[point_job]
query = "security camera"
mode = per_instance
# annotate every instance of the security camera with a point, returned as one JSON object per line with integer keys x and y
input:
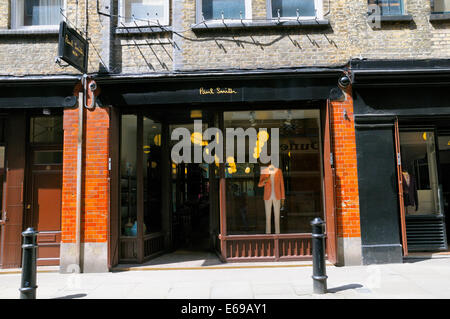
{"x": 344, "y": 81}
{"x": 92, "y": 86}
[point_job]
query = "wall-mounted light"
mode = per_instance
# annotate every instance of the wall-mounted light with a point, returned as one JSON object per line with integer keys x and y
{"x": 46, "y": 111}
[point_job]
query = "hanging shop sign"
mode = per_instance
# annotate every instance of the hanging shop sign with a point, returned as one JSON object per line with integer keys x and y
{"x": 72, "y": 47}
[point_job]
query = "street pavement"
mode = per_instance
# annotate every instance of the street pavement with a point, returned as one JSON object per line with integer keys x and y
{"x": 201, "y": 278}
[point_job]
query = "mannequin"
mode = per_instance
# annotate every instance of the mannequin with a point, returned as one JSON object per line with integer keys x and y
{"x": 272, "y": 181}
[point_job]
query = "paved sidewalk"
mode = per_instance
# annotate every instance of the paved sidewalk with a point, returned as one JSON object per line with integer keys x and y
{"x": 416, "y": 278}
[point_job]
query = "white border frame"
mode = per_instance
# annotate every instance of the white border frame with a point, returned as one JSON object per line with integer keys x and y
{"x": 153, "y": 22}
{"x": 248, "y": 12}
{"x": 15, "y": 17}
{"x": 318, "y": 5}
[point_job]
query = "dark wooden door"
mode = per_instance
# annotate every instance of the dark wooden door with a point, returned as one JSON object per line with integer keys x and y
{"x": 329, "y": 186}
{"x": 12, "y": 210}
{"x": 43, "y": 206}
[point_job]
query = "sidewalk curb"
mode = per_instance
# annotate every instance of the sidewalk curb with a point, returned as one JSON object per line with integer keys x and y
{"x": 120, "y": 269}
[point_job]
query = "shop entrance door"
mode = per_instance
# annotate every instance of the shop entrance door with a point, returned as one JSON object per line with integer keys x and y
{"x": 43, "y": 205}
{"x": 444, "y": 163}
{"x": 421, "y": 189}
{"x": 190, "y": 183}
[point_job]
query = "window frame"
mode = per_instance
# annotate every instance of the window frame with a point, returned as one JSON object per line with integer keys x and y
{"x": 16, "y": 16}
{"x": 433, "y": 10}
{"x": 121, "y": 21}
{"x": 318, "y": 5}
{"x": 248, "y": 12}
{"x": 402, "y": 9}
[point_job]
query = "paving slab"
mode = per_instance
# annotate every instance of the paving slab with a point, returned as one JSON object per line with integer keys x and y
{"x": 421, "y": 279}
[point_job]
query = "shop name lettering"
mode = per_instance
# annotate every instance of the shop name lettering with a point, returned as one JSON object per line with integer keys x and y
{"x": 215, "y": 91}
{"x": 76, "y": 49}
{"x": 299, "y": 147}
{"x": 229, "y": 309}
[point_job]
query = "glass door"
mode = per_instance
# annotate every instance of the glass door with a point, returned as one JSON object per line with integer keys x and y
{"x": 190, "y": 184}
{"x": 141, "y": 235}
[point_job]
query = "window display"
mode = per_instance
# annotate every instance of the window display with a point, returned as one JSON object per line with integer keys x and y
{"x": 266, "y": 198}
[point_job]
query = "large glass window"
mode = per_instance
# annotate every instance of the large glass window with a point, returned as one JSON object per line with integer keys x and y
{"x": 419, "y": 173}
{"x": 143, "y": 12}
{"x": 226, "y": 9}
{"x": 128, "y": 201}
{"x": 152, "y": 167}
{"x": 440, "y": 6}
{"x": 265, "y": 199}
{"x": 28, "y": 13}
{"x": 294, "y": 8}
{"x": 388, "y": 7}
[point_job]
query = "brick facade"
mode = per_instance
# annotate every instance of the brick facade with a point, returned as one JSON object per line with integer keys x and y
{"x": 347, "y": 200}
{"x": 349, "y": 36}
{"x": 346, "y": 180}
{"x": 95, "y": 179}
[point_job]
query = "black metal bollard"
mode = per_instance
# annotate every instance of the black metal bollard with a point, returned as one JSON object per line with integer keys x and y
{"x": 318, "y": 253}
{"x": 28, "y": 283}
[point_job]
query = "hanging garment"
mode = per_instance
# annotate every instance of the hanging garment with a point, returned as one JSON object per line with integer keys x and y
{"x": 410, "y": 196}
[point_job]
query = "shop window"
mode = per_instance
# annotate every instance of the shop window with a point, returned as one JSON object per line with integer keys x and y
{"x": 294, "y": 8}
{"x": 144, "y": 12}
{"x": 388, "y": 7}
{"x": 253, "y": 209}
{"x": 46, "y": 129}
{"x": 128, "y": 201}
{"x": 36, "y": 13}
{"x": 419, "y": 173}
{"x": 440, "y": 6}
{"x": 223, "y": 9}
{"x": 152, "y": 168}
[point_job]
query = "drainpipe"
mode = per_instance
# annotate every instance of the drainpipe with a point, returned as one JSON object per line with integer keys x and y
{"x": 81, "y": 103}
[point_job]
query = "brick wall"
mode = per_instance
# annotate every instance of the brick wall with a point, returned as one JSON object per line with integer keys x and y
{"x": 95, "y": 198}
{"x": 349, "y": 36}
{"x": 344, "y": 149}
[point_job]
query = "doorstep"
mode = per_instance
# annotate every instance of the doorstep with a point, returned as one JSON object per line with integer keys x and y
{"x": 428, "y": 255}
{"x": 185, "y": 260}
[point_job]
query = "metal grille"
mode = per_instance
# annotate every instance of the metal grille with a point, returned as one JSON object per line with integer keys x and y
{"x": 426, "y": 233}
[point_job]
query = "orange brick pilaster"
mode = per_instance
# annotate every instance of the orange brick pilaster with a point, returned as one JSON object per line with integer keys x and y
{"x": 347, "y": 197}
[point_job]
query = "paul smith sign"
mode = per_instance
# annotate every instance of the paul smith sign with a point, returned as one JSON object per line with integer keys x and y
{"x": 72, "y": 47}
{"x": 217, "y": 91}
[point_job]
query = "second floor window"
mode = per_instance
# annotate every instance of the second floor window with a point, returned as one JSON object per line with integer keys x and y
{"x": 144, "y": 12}
{"x": 440, "y": 6}
{"x": 224, "y": 9}
{"x": 388, "y": 7}
{"x": 294, "y": 8}
{"x": 32, "y": 13}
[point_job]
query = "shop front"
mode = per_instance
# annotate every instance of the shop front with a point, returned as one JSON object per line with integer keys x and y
{"x": 31, "y": 158}
{"x": 402, "y": 132}
{"x": 223, "y": 199}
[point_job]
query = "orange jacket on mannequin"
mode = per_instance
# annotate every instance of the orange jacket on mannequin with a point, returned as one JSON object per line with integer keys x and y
{"x": 279, "y": 185}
